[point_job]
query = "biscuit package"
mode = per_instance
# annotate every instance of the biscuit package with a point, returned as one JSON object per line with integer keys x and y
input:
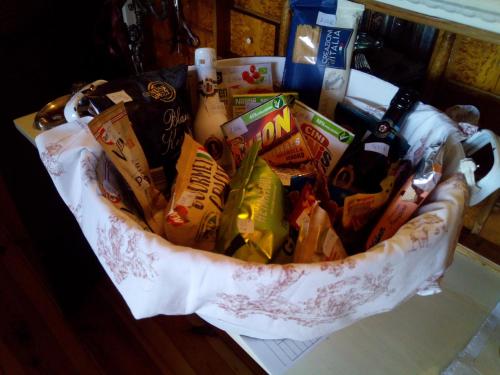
{"x": 320, "y": 46}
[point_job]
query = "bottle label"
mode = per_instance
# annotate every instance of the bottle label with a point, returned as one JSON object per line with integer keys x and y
{"x": 214, "y": 147}
{"x": 207, "y": 86}
{"x": 215, "y": 105}
{"x": 378, "y": 147}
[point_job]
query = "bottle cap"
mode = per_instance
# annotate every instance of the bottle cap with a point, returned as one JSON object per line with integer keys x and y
{"x": 205, "y": 56}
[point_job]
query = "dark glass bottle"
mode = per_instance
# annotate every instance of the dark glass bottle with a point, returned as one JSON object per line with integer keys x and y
{"x": 364, "y": 167}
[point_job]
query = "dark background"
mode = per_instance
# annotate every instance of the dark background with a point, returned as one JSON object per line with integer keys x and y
{"x": 45, "y": 48}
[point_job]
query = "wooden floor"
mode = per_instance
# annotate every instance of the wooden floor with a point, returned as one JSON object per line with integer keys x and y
{"x": 95, "y": 334}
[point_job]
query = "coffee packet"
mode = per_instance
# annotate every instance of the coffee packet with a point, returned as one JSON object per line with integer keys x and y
{"x": 157, "y": 105}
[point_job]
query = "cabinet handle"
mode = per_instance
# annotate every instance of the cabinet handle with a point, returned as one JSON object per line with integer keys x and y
{"x": 248, "y": 40}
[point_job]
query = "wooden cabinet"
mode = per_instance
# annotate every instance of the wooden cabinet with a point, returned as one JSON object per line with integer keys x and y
{"x": 251, "y": 36}
{"x": 251, "y": 28}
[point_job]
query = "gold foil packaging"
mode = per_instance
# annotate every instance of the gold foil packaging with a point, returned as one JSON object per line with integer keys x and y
{"x": 252, "y": 224}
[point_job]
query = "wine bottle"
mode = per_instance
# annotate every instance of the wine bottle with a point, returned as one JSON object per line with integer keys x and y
{"x": 366, "y": 166}
{"x": 211, "y": 112}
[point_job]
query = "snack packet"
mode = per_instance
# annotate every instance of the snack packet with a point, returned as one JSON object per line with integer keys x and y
{"x": 410, "y": 196}
{"x": 320, "y": 45}
{"x": 192, "y": 217}
{"x": 317, "y": 240}
{"x": 252, "y": 223}
{"x": 113, "y": 130}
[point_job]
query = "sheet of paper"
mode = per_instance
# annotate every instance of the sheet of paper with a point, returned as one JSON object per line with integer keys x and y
{"x": 277, "y": 356}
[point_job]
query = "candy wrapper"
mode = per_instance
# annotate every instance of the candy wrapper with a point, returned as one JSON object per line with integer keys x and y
{"x": 193, "y": 214}
{"x": 252, "y": 223}
{"x": 410, "y": 196}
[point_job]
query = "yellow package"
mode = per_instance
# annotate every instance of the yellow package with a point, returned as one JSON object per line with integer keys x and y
{"x": 193, "y": 215}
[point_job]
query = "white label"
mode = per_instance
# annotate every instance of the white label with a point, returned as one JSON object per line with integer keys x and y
{"x": 325, "y": 19}
{"x": 285, "y": 178}
{"x": 187, "y": 198}
{"x": 329, "y": 242}
{"x": 216, "y": 106}
{"x": 379, "y": 147}
{"x": 245, "y": 225}
{"x": 235, "y": 129}
{"x": 119, "y": 96}
{"x": 303, "y": 217}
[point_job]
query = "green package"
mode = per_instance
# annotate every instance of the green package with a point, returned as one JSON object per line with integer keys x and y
{"x": 252, "y": 224}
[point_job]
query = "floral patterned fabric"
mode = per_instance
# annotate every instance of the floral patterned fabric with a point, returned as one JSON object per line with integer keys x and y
{"x": 298, "y": 301}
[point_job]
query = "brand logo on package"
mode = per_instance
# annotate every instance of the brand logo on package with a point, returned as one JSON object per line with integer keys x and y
{"x": 278, "y": 102}
{"x": 161, "y": 91}
{"x": 333, "y": 46}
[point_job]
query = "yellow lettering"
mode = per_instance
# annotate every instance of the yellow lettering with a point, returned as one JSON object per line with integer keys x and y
{"x": 283, "y": 123}
{"x": 268, "y": 134}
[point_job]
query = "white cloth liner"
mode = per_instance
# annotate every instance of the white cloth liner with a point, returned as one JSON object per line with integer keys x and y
{"x": 297, "y": 301}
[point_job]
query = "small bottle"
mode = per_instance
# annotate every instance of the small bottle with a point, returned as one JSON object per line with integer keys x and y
{"x": 211, "y": 112}
{"x": 367, "y": 165}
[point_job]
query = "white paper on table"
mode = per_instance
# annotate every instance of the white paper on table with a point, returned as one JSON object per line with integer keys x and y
{"x": 276, "y": 356}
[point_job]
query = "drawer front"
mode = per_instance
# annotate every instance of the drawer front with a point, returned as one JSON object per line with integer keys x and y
{"x": 251, "y": 36}
{"x": 267, "y": 8}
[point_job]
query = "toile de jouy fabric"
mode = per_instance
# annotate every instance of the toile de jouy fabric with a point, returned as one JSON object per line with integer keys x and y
{"x": 298, "y": 301}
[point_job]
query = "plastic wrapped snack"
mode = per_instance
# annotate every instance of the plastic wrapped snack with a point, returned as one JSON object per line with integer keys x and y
{"x": 320, "y": 45}
{"x": 193, "y": 214}
{"x": 252, "y": 224}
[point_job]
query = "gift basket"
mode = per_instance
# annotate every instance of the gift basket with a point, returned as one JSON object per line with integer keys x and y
{"x": 136, "y": 233}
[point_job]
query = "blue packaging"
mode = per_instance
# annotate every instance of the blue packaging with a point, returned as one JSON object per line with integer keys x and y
{"x": 320, "y": 44}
